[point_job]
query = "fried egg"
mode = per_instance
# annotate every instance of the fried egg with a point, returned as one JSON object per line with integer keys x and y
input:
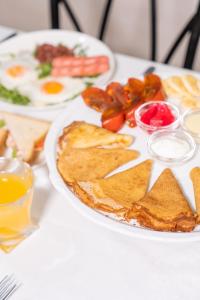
{"x": 52, "y": 90}
{"x": 18, "y": 71}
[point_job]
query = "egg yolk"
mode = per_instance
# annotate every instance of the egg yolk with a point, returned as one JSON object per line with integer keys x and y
{"x": 52, "y": 87}
{"x": 16, "y": 71}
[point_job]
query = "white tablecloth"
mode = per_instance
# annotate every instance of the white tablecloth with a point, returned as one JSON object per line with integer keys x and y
{"x": 69, "y": 257}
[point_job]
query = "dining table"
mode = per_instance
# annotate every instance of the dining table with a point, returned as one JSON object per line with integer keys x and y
{"x": 69, "y": 257}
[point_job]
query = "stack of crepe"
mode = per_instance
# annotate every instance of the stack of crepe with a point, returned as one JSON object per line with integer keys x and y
{"x": 83, "y": 162}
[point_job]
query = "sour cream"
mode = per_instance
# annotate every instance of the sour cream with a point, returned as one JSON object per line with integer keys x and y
{"x": 170, "y": 147}
{"x": 191, "y": 123}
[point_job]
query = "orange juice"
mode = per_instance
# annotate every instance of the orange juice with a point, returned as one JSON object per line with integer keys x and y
{"x": 15, "y": 204}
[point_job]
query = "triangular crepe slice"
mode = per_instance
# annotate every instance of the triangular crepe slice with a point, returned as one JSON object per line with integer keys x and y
{"x": 195, "y": 176}
{"x": 26, "y": 132}
{"x": 165, "y": 208}
{"x": 91, "y": 163}
{"x": 84, "y": 135}
{"x": 3, "y": 137}
{"x": 118, "y": 192}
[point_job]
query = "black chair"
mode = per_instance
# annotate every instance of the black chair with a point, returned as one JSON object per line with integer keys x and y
{"x": 193, "y": 28}
{"x": 54, "y": 8}
{"x": 55, "y": 20}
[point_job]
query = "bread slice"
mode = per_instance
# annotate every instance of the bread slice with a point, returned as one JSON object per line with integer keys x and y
{"x": 118, "y": 192}
{"x": 3, "y": 137}
{"x": 91, "y": 163}
{"x": 195, "y": 177}
{"x": 26, "y": 132}
{"x": 84, "y": 135}
{"x": 165, "y": 208}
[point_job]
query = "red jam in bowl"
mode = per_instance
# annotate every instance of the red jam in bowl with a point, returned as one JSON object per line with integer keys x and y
{"x": 156, "y": 115}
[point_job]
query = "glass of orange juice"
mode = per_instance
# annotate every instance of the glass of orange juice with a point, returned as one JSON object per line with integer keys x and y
{"x": 16, "y": 193}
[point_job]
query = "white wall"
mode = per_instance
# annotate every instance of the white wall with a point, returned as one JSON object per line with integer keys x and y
{"x": 128, "y": 29}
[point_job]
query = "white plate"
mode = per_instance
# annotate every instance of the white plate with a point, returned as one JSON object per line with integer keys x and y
{"x": 28, "y": 41}
{"x": 79, "y": 111}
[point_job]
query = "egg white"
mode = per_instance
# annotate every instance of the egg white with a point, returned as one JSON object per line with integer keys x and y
{"x": 26, "y": 61}
{"x": 72, "y": 87}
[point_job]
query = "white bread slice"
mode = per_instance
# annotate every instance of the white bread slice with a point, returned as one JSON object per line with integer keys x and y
{"x": 26, "y": 132}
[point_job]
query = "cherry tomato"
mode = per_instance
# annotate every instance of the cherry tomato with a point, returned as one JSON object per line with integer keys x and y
{"x": 97, "y": 99}
{"x": 113, "y": 119}
{"x": 118, "y": 93}
{"x": 130, "y": 113}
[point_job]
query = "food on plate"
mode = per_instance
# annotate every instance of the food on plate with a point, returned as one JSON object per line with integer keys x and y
{"x": 158, "y": 115}
{"x": 17, "y": 71}
{"x": 45, "y": 53}
{"x": 119, "y": 102}
{"x": 51, "y": 90}
{"x": 80, "y": 134}
{"x": 3, "y": 137}
{"x": 97, "y": 99}
{"x": 117, "y": 193}
{"x": 191, "y": 123}
{"x": 186, "y": 88}
{"x": 79, "y": 66}
{"x": 195, "y": 177}
{"x": 48, "y": 75}
{"x": 165, "y": 207}
{"x": 113, "y": 119}
{"x": 91, "y": 163}
{"x": 26, "y": 135}
{"x": 13, "y": 96}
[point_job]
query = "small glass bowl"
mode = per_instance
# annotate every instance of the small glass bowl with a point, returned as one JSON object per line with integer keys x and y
{"x": 186, "y": 115}
{"x": 171, "y": 156}
{"x": 149, "y": 128}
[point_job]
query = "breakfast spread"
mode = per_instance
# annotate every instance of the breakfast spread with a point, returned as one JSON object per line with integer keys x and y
{"x": 23, "y": 135}
{"x": 49, "y": 74}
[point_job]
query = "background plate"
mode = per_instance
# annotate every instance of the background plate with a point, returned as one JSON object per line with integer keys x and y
{"x": 28, "y": 41}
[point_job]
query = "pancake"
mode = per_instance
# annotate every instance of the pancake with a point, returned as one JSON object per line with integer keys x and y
{"x": 118, "y": 192}
{"x": 84, "y": 135}
{"x": 195, "y": 177}
{"x": 165, "y": 208}
{"x": 91, "y": 163}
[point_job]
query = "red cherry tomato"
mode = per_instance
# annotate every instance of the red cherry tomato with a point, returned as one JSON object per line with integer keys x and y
{"x": 130, "y": 113}
{"x": 113, "y": 119}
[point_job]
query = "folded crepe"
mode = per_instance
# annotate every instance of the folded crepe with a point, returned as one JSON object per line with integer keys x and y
{"x": 117, "y": 193}
{"x": 84, "y": 135}
{"x": 3, "y": 137}
{"x": 91, "y": 163}
{"x": 195, "y": 177}
{"x": 165, "y": 208}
